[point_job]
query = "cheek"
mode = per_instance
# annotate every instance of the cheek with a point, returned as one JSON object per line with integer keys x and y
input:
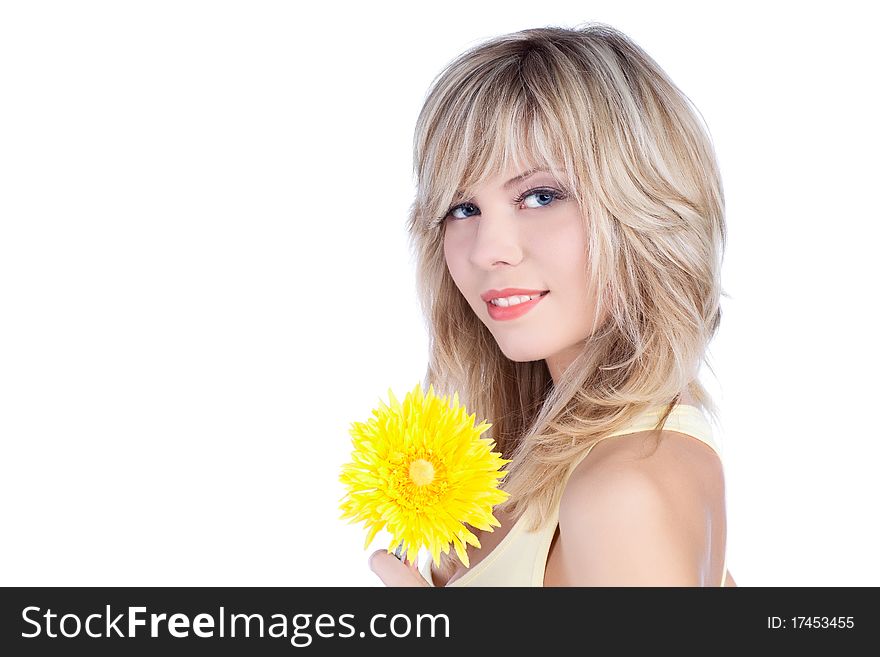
{"x": 452, "y": 264}
{"x": 458, "y": 266}
{"x": 452, "y": 254}
{"x": 573, "y": 242}
{"x": 561, "y": 254}
{"x": 569, "y": 260}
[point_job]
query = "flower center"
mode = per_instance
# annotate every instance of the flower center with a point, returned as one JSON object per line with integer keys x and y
{"x": 421, "y": 472}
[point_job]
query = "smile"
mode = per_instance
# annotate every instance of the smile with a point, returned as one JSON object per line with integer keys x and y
{"x": 517, "y": 309}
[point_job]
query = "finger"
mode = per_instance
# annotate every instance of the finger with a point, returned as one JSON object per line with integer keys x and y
{"x": 393, "y": 572}
{"x": 414, "y": 568}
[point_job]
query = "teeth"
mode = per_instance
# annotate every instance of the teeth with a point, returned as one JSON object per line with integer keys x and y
{"x": 504, "y": 302}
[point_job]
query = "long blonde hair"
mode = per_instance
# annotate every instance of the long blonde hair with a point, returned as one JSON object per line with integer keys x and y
{"x": 592, "y": 104}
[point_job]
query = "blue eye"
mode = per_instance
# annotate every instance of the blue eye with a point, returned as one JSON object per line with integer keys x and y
{"x": 550, "y": 196}
{"x": 461, "y": 207}
{"x": 543, "y": 196}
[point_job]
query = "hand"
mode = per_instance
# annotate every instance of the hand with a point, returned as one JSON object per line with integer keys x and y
{"x": 394, "y": 572}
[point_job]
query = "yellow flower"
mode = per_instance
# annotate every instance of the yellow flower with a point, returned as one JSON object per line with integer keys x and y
{"x": 420, "y": 470}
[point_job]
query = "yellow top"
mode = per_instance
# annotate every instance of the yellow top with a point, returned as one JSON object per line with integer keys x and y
{"x": 521, "y": 556}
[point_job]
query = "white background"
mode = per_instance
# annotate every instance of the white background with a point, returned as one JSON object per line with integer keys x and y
{"x": 204, "y": 276}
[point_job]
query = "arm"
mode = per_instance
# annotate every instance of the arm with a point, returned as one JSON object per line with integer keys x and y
{"x": 624, "y": 522}
{"x": 729, "y": 581}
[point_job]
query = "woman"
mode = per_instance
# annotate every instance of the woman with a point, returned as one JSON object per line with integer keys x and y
{"x": 561, "y": 171}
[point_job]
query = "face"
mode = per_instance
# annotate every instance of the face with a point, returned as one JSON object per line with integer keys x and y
{"x": 524, "y": 233}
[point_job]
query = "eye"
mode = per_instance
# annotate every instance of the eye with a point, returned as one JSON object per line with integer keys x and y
{"x": 547, "y": 195}
{"x": 542, "y": 198}
{"x": 462, "y": 206}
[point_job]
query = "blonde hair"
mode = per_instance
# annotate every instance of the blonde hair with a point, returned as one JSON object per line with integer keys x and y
{"x": 593, "y": 105}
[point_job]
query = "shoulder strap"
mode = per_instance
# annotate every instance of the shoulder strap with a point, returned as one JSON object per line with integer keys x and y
{"x": 683, "y": 419}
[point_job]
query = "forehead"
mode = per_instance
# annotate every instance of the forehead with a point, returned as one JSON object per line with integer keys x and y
{"x": 470, "y": 156}
{"x": 506, "y": 180}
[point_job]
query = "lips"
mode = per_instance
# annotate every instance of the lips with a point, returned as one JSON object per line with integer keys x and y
{"x": 501, "y": 313}
{"x": 488, "y": 295}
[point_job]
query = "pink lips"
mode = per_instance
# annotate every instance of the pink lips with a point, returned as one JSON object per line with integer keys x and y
{"x": 512, "y": 312}
{"x": 488, "y": 295}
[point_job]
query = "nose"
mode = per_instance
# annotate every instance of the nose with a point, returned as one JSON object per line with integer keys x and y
{"x": 496, "y": 240}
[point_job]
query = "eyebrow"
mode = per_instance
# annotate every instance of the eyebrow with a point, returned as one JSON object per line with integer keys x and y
{"x": 523, "y": 176}
{"x": 510, "y": 183}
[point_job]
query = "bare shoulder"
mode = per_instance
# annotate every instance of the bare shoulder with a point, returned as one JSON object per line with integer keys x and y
{"x": 633, "y": 515}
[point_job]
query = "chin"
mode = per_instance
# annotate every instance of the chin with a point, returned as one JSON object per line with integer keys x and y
{"x": 520, "y": 354}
